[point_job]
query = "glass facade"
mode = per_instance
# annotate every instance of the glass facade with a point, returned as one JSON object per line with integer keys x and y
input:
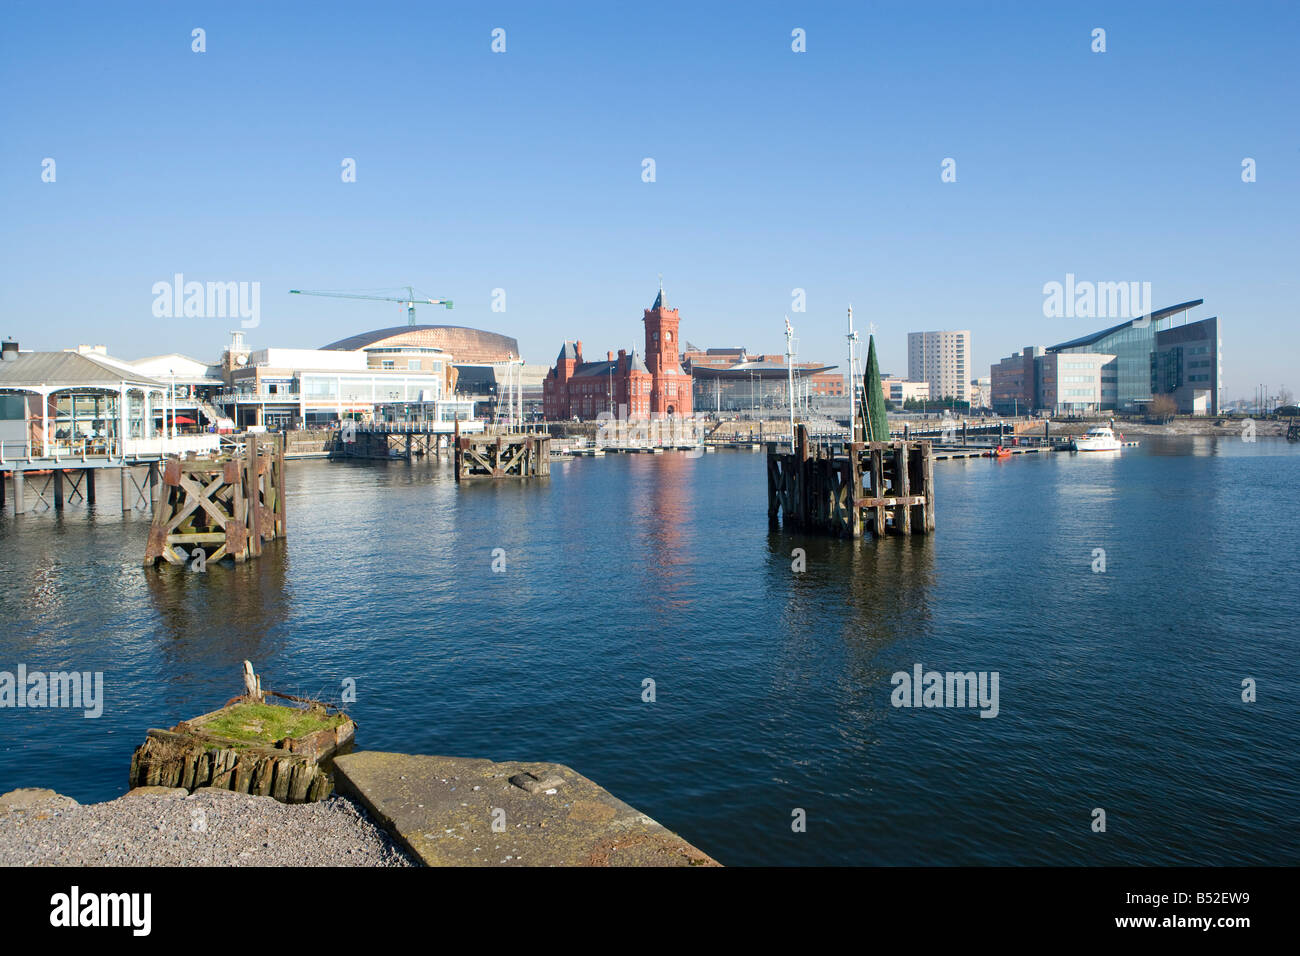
{"x": 1132, "y": 347}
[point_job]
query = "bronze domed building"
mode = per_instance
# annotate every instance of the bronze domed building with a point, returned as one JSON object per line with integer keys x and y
{"x": 466, "y": 346}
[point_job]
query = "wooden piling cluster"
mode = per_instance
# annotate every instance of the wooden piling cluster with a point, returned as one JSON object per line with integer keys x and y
{"x": 227, "y": 504}
{"x": 876, "y": 487}
{"x": 502, "y": 456}
{"x": 292, "y": 770}
{"x": 177, "y": 759}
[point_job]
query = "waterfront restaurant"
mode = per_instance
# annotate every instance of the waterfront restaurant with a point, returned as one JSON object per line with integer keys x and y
{"x": 68, "y": 404}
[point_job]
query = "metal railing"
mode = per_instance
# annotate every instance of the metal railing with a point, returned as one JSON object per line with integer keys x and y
{"x": 231, "y": 398}
{"x": 466, "y": 425}
{"x": 113, "y": 449}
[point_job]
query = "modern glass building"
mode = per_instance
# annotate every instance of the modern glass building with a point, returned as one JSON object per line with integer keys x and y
{"x": 1132, "y": 343}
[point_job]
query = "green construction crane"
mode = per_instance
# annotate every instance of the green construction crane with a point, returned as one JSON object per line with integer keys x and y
{"x": 411, "y": 299}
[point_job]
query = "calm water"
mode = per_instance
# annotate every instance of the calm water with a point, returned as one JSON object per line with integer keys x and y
{"x": 1119, "y": 690}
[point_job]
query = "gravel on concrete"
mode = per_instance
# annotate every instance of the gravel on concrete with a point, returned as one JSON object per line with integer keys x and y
{"x": 157, "y": 826}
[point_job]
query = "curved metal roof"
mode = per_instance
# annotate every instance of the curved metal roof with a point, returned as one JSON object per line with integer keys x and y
{"x": 1092, "y": 337}
{"x": 758, "y": 369}
{"x": 464, "y": 344}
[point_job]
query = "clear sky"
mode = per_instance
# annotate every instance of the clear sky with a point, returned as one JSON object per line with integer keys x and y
{"x": 774, "y": 170}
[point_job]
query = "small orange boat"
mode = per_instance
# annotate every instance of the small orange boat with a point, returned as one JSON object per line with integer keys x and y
{"x": 1000, "y": 452}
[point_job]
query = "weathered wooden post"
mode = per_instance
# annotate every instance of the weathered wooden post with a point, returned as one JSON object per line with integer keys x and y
{"x": 928, "y": 459}
{"x": 773, "y": 474}
{"x": 855, "y": 489}
{"x": 251, "y": 489}
{"x": 878, "y": 487}
{"x": 20, "y": 504}
{"x": 237, "y": 526}
{"x": 801, "y": 469}
{"x": 58, "y": 489}
{"x": 281, "y": 510}
{"x": 252, "y": 683}
{"x": 902, "y": 510}
{"x": 88, "y": 475}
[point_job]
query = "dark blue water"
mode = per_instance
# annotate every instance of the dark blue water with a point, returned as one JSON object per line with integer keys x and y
{"x": 1118, "y": 690}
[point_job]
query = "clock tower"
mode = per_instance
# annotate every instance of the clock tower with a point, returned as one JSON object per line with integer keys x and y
{"x": 671, "y": 391}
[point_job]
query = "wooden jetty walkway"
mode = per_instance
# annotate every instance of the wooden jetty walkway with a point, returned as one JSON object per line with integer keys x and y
{"x": 65, "y": 477}
{"x": 401, "y": 440}
{"x": 228, "y": 505}
{"x": 875, "y": 487}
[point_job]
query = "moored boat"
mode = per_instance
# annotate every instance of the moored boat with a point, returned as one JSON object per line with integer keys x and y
{"x": 1100, "y": 438}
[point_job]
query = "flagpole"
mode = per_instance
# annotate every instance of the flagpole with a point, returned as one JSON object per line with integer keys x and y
{"x": 853, "y": 384}
{"x": 789, "y": 364}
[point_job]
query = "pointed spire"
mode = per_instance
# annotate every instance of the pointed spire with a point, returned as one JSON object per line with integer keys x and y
{"x": 660, "y": 302}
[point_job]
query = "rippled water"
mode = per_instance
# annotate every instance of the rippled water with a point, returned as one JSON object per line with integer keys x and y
{"x": 1119, "y": 690}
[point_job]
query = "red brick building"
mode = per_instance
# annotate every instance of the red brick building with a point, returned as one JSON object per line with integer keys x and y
{"x": 623, "y": 385}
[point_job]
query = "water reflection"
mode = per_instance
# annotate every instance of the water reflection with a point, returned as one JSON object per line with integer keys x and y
{"x": 661, "y": 512}
{"x": 231, "y": 612}
{"x": 871, "y": 593}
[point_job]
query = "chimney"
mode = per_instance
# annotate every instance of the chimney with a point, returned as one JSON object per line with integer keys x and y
{"x": 578, "y": 348}
{"x": 609, "y": 356}
{"x": 9, "y": 351}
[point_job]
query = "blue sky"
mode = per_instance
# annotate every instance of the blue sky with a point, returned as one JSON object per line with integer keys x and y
{"x": 775, "y": 170}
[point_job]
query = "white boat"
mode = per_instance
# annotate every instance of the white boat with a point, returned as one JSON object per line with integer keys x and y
{"x": 1100, "y": 438}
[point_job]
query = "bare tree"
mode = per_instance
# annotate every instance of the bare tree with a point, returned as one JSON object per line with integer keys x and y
{"x": 1162, "y": 406}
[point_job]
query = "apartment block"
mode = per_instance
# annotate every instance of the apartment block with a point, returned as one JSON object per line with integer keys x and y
{"x": 943, "y": 359}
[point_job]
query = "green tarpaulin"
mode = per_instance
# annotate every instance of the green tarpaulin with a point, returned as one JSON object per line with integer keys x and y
{"x": 875, "y": 424}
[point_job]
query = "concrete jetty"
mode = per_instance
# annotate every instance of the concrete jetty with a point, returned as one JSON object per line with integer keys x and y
{"x": 457, "y": 811}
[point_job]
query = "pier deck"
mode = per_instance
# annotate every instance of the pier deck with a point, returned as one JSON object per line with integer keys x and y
{"x": 457, "y": 811}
